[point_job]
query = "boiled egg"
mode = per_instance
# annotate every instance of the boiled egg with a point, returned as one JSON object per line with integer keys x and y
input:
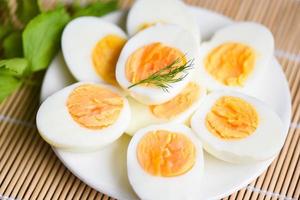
{"x": 83, "y": 116}
{"x": 236, "y": 56}
{"x": 238, "y": 128}
{"x": 146, "y": 13}
{"x": 165, "y": 162}
{"x": 177, "y": 110}
{"x": 91, "y": 47}
{"x": 150, "y": 51}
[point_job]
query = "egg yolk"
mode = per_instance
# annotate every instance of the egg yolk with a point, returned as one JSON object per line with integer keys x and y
{"x": 105, "y": 56}
{"x": 151, "y": 58}
{"x": 178, "y": 104}
{"x": 94, "y": 107}
{"x": 166, "y": 154}
{"x": 231, "y": 118}
{"x": 230, "y": 63}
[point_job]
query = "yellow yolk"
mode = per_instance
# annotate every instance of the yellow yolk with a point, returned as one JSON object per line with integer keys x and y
{"x": 151, "y": 58}
{"x": 178, "y": 104}
{"x": 105, "y": 56}
{"x": 231, "y": 118}
{"x": 94, "y": 107}
{"x": 230, "y": 63}
{"x": 164, "y": 153}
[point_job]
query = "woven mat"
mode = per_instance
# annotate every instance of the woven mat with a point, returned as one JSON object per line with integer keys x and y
{"x": 30, "y": 170}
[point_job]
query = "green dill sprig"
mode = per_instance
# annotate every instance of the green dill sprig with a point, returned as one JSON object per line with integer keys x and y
{"x": 164, "y": 77}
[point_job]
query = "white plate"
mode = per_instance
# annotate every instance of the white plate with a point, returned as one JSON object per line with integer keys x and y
{"x": 105, "y": 170}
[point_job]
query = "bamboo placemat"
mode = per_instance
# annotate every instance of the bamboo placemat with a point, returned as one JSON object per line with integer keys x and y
{"x": 30, "y": 170}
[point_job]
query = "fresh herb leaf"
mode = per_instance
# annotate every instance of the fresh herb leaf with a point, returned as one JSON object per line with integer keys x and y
{"x": 26, "y": 10}
{"x": 167, "y": 75}
{"x": 96, "y": 9}
{"x": 41, "y": 37}
{"x": 12, "y": 45}
{"x": 5, "y": 30}
{"x": 8, "y": 84}
{"x": 14, "y": 67}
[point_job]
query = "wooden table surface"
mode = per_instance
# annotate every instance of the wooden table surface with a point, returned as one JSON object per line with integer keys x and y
{"x": 30, "y": 170}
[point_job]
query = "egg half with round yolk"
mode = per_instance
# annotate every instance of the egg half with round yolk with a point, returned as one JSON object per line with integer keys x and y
{"x": 165, "y": 162}
{"x": 238, "y": 128}
{"x": 177, "y": 110}
{"x": 83, "y": 116}
{"x": 150, "y": 51}
{"x": 175, "y": 12}
{"x": 235, "y": 57}
{"x": 91, "y": 47}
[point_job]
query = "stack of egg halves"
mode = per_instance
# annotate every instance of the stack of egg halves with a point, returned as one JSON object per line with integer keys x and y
{"x": 169, "y": 121}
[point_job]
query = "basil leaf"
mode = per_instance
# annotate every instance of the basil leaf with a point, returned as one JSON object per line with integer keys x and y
{"x": 96, "y": 9}
{"x": 8, "y": 84}
{"x": 5, "y": 30}
{"x": 12, "y": 45}
{"x": 41, "y": 38}
{"x": 17, "y": 67}
{"x": 26, "y": 10}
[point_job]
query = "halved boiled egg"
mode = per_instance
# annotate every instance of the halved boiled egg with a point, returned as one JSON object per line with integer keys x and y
{"x": 83, "y": 116}
{"x": 153, "y": 50}
{"x": 165, "y": 162}
{"x": 91, "y": 47}
{"x": 238, "y": 128}
{"x": 235, "y": 56}
{"x": 146, "y": 13}
{"x": 177, "y": 110}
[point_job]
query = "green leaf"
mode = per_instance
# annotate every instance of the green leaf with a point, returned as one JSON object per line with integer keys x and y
{"x": 8, "y": 84}
{"x": 41, "y": 38}
{"x": 5, "y": 30}
{"x": 17, "y": 67}
{"x": 26, "y": 10}
{"x": 12, "y": 45}
{"x": 96, "y": 9}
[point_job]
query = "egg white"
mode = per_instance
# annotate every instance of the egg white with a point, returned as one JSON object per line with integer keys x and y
{"x": 254, "y": 35}
{"x": 58, "y": 128}
{"x": 157, "y": 11}
{"x": 170, "y": 35}
{"x": 78, "y": 41}
{"x": 144, "y": 117}
{"x": 265, "y": 142}
{"x": 147, "y": 186}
